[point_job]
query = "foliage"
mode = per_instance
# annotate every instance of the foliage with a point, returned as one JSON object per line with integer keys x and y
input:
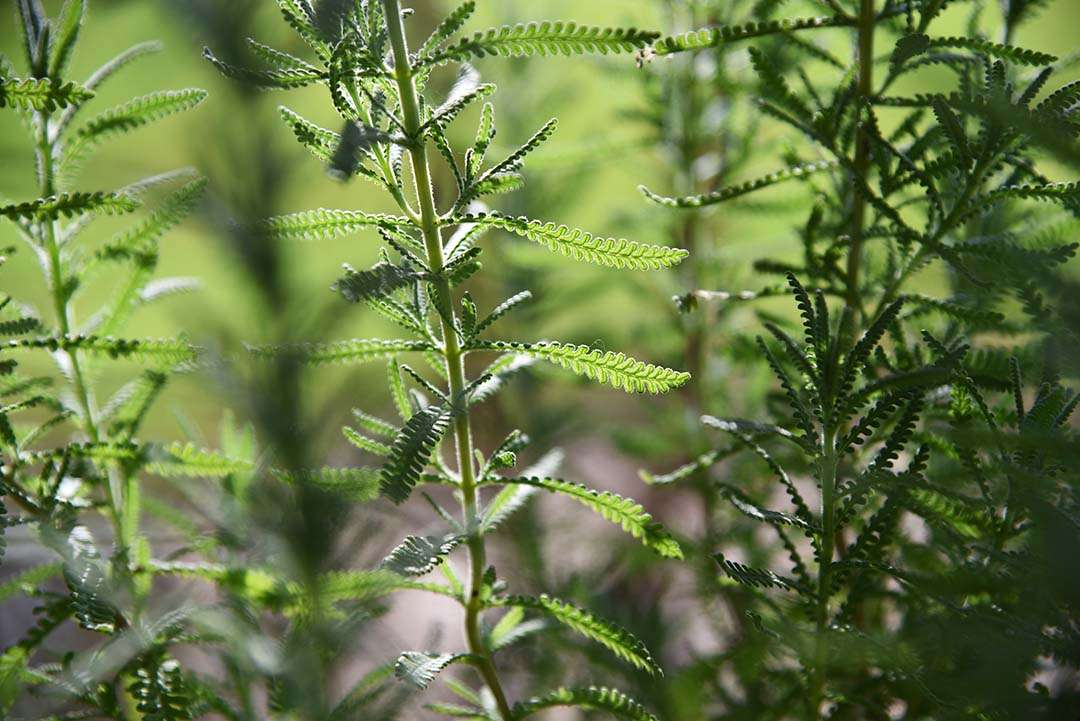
{"x": 70, "y": 452}
{"x": 884, "y": 404}
{"x": 869, "y": 464}
{"x": 385, "y": 120}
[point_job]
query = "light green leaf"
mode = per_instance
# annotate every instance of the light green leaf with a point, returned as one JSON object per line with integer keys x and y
{"x": 615, "y": 369}
{"x": 44, "y": 94}
{"x": 326, "y": 224}
{"x": 625, "y": 512}
{"x": 66, "y": 205}
{"x": 596, "y": 698}
{"x": 542, "y": 38}
{"x": 581, "y": 245}
{"x": 615, "y": 638}
{"x": 358, "y": 350}
{"x": 420, "y": 669}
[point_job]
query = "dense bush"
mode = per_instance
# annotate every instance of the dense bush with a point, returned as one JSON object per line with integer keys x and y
{"x": 877, "y": 428}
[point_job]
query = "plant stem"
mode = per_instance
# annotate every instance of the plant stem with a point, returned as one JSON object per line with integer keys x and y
{"x": 827, "y": 473}
{"x": 829, "y": 463}
{"x": 46, "y": 164}
{"x": 865, "y": 58}
{"x": 122, "y": 523}
{"x": 452, "y": 353}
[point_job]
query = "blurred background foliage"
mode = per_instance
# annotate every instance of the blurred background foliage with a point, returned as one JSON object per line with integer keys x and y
{"x": 680, "y": 125}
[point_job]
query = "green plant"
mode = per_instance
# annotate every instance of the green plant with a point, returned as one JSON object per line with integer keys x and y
{"x": 71, "y": 446}
{"x": 884, "y": 424}
{"x": 386, "y": 118}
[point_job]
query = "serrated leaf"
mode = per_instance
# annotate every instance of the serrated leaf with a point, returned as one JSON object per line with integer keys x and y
{"x": 164, "y": 350}
{"x": 625, "y": 512}
{"x": 616, "y": 639}
{"x": 909, "y": 46}
{"x": 188, "y": 460}
{"x": 420, "y": 669}
{"x": 715, "y": 37}
{"x": 318, "y": 140}
{"x": 592, "y": 698}
{"x": 133, "y": 114}
{"x": 615, "y": 369}
{"x": 43, "y": 94}
{"x": 411, "y": 451}
{"x": 16, "y": 583}
{"x": 159, "y": 689}
{"x": 287, "y": 78}
{"x": 734, "y": 191}
{"x": 418, "y": 555}
{"x": 326, "y": 224}
{"x": 381, "y": 279}
{"x": 581, "y": 245}
{"x": 141, "y": 239}
{"x": 542, "y": 38}
{"x": 87, "y": 581}
{"x": 358, "y": 350}
{"x": 755, "y": 577}
{"x": 66, "y": 205}
{"x": 446, "y": 28}
{"x": 504, "y": 504}
{"x": 356, "y": 484}
{"x": 1021, "y": 56}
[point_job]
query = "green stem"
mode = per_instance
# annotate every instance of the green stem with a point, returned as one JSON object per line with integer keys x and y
{"x": 866, "y": 22}
{"x": 452, "y": 352}
{"x": 853, "y": 301}
{"x": 828, "y": 473}
{"x": 123, "y": 525}
{"x": 46, "y": 162}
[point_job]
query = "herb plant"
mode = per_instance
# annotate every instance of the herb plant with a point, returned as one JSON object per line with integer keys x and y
{"x": 885, "y": 405}
{"x": 376, "y": 84}
{"x": 70, "y": 440}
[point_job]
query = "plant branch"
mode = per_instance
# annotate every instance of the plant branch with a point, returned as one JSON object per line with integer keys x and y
{"x": 452, "y": 352}
{"x": 861, "y": 168}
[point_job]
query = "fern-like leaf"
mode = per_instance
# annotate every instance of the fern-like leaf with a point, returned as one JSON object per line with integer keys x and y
{"x": 714, "y": 37}
{"x": 420, "y": 669}
{"x": 325, "y": 224}
{"x": 616, "y": 639}
{"x": 615, "y": 369}
{"x": 446, "y": 29}
{"x": 358, "y": 350}
{"x": 759, "y": 577}
{"x": 581, "y": 245}
{"x": 626, "y": 512}
{"x": 43, "y": 94}
{"x": 379, "y": 280}
{"x": 188, "y": 460}
{"x": 280, "y": 78}
{"x": 66, "y": 205}
{"x": 164, "y": 350}
{"x": 734, "y": 191}
{"x": 418, "y": 555}
{"x": 159, "y": 690}
{"x": 591, "y": 698}
{"x": 131, "y": 115}
{"x": 355, "y": 484}
{"x": 542, "y": 38}
{"x": 1021, "y": 56}
{"x": 319, "y": 141}
{"x": 139, "y": 243}
{"x": 411, "y": 451}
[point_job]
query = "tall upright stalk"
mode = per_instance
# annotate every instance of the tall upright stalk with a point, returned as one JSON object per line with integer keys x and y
{"x": 451, "y": 350}
{"x": 865, "y": 58}
{"x": 413, "y": 286}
